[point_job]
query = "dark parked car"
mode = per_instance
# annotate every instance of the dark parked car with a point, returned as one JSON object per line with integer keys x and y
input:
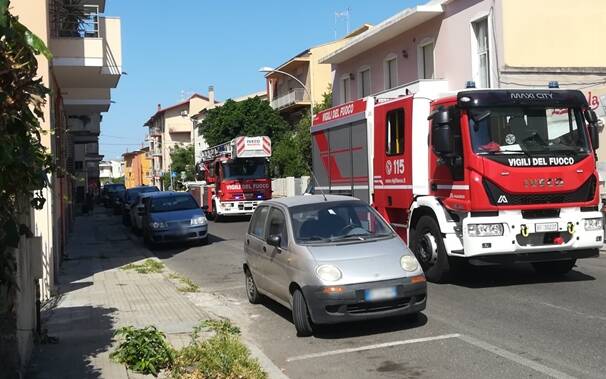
{"x": 129, "y": 198}
{"x": 109, "y": 193}
{"x": 172, "y": 216}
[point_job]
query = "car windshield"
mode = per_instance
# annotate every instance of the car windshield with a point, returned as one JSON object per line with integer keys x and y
{"x": 131, "y": 194}
{"x": 341, "y": 221}
{"x": 172, "y": 203}
{"x": 527, "y": 130}
{"x": 115, "y": 188}
{"x": 245, "y": 168}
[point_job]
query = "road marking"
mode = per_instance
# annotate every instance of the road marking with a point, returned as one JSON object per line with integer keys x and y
{"x": 573, "y": 311}
{"x": 515, "y": 357}
{"x": 371, "y": 347}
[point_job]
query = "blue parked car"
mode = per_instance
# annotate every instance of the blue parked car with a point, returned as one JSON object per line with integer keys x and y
{"x": 171, "y": 217}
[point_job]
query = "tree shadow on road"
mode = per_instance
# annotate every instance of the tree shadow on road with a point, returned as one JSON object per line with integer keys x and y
{"x": 511, "y": 275}
{"x": 85, "y": 332}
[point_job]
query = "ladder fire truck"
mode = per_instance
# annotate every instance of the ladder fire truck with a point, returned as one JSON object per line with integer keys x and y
{"x": 236, "y": 176}
{"x": 481, "y": 176}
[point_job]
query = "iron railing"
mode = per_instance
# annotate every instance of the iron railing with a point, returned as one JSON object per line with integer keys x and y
{"x": 297, "y": 95}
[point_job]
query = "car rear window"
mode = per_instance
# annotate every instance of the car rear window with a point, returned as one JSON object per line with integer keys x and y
{"x": 172, "y": 203}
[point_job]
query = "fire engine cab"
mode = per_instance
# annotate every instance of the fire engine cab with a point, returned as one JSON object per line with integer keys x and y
{"x": 236, "y": 176}
{"x": 483, "y": 176}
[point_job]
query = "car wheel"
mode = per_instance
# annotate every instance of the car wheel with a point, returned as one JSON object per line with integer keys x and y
{"x": 428, "y": 246}
{"x": 300, "y": 315}
{"x": 254, "y": 297}
{"x": 555, "y": 267}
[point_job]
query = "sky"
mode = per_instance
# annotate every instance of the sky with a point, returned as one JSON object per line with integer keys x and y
{"x": 171, "y": 49}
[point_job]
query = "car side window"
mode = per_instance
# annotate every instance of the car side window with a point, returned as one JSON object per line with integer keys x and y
{"x": 257, "y": 224}
{"x": 277, "y": 226}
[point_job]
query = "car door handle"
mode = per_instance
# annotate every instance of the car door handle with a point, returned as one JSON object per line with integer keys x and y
{"x": 264, "y": 249}
{"x": 247, "y": 241}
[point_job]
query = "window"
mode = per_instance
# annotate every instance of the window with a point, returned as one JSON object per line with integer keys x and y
{"x": 78, "y": 165}
{"x": 364, "y": 82}
{"x": 277, "y": 226}
{"x": 394, "y": 132}
{"x": 345, "y": 89}
{"x": 391, "y": 71}
{"x": 482, "y": 58}
{"x": 257, "y": 224}
{"x": 426, "y": 60}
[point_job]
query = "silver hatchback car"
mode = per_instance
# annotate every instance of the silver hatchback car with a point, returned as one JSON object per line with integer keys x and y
{"x": 330, "y": 259}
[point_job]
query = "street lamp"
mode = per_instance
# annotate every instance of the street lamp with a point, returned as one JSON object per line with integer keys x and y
{"x": 269, "y": 70}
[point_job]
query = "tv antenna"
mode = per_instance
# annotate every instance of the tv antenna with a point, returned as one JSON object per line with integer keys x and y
{"x": 343, "y": 14}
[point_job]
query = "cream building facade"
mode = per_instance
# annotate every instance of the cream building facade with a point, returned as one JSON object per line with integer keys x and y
{"x": 170, "y": 127}
{"x": 86, "y": 64}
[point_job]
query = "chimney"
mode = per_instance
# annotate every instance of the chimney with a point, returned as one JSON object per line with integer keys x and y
{"x": 159, "y": 107}
{"x": 211, "y": 96}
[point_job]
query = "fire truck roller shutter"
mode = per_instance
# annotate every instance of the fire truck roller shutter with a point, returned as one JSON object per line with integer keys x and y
{"x": 341, "y": 168}
{"x": 359, "y": 156}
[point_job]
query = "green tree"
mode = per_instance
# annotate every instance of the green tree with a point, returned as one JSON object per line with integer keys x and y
{"x": 251, "y": 117}
{"x": 292, "y": 154}
{"x": 182, "y": 158}
{"x": 25, "y": 164}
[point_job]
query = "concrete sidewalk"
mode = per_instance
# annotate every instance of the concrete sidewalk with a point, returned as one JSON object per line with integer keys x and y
{"x": 96, "y": 297}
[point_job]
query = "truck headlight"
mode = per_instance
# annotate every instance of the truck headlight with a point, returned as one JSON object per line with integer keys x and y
{"x": 201, "y": 220}
{"x": 158, "y": 225}
{"x": 409, "y": 263}
{"x": 592, "y": 224}
{"x": 485, "y": 230}
{"x": 328, "y": 273}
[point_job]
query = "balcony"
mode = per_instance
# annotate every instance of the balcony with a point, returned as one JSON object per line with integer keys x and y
{"x": 295, "y": 98}
{"x": 87, "y": 50}
{"x": 84, "y": 128}
{"x": 155, "y": 131}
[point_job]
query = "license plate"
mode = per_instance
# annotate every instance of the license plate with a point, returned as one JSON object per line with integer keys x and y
{"x": 380, "y": 294}
{"x": 546, "y": 227}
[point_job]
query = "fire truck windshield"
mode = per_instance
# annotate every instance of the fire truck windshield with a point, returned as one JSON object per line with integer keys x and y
{"x": 245, "y": 168}
{"x": 527, "y": 130}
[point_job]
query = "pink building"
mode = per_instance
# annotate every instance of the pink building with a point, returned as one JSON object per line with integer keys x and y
{"x": 495, "y": 43}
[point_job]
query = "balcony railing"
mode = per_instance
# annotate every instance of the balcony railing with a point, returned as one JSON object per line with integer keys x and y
{"x": 295, "y": 96}
{"x": 155, "y": 131}
{"x": 74, "y": 20}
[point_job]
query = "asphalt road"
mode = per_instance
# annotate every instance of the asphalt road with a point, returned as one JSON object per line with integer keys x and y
{"x": 504, "y": 322}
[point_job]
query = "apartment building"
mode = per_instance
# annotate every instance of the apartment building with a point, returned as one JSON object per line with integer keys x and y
{"x": 109, "y": 170}
{"x": 86, "y": 64}
{"x": 170, "y": 127}
{"x": 495, "y": 43}
{"x": 287, "y": 95}
{"x": 137, "y": 168}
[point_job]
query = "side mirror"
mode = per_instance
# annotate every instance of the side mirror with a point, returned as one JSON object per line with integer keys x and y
{"x": 441, "y": 135}
{"x": 590, "y": 116}
{"x": 274, "y": 240}
{"x": 594, "y": 133}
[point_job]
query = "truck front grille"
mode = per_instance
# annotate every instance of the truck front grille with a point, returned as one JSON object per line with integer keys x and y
{"x": 582, "y": 194}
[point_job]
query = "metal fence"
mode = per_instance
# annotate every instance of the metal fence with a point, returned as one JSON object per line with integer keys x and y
{"x": 292, "y": 97}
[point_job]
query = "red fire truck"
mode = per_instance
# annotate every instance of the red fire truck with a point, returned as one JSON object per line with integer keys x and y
{"x": 236, "y": 176}
{"x": 483, "y": 176}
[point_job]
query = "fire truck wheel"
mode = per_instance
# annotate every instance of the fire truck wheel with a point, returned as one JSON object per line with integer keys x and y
{"x": 554, "y": 268}
{"x": 428, "y": 246}
{"x": 216, "y": 217}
